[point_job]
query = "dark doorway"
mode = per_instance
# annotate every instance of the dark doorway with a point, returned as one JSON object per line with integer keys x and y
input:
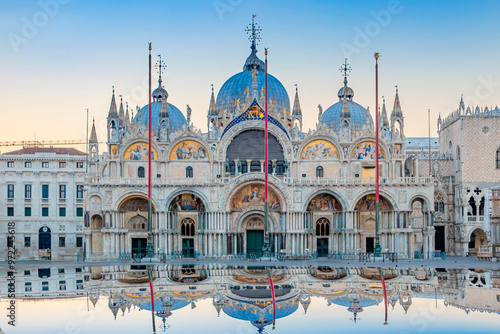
{"x": 255, "y": 242}
{"x": 44, "y": 238}
{"x": 139, "y": 247}
{"x": 322, "y": 246}
{"x": 369, "y": 244}
{"x": 439, "y": 238}
{"x": 188, "y": 247}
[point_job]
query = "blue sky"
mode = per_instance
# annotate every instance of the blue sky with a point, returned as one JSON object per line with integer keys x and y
{"x": 433, "y": 50}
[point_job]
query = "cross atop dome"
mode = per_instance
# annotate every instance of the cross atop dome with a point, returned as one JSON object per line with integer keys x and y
{"x": 253, "y": 30}
{"x": 160, "y": 68}
{"x": 346, "y": 68}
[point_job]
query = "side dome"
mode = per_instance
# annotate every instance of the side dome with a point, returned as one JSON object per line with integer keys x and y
{"x": 331, "y": 116}
{"x": 239, "y": 87}
{"x": 177, "y": 119}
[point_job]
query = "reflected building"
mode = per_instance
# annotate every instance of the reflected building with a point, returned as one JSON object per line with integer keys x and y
{"x": 244, "y": 293}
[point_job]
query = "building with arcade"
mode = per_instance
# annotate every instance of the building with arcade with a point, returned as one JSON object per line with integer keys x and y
{"x": 207, "y": 186}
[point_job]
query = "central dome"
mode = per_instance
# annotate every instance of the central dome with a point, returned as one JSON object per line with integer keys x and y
{"x": 239, "y": 86}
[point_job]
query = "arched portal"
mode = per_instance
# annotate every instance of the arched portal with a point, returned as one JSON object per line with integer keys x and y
{"x": 325, "y": 213}
{"x": 96, "y": 235}
{"x": 477, "y": 238}
{"x": 44, "y": 238}
{"x": 135, "y": 218}
{"x": 366, "y": 219}
{"x": 253, "y": 227}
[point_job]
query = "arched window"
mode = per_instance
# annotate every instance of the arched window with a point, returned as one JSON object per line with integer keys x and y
{"x": 140, "y": 172}
{"x": 457, "y": 161}
{"x": 189, "y": 172}
{"x": 322, "y": 227}
{"x": 319, "y": 171}
{"x": 187, "y": 227}
{"x": 438, "y": 202}
{"x": 497, "y": 160}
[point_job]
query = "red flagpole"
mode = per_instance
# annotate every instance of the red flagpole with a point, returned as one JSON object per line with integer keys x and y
{"x": 385, "y": 298}
{"x": 266, "y": 139}
{"x": 377, "y": 179}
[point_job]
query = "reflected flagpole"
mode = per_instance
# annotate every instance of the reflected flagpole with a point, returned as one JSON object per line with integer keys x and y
{"x": 151, "y": 291}
{"x": 385, "y": 299}
{"x": 273, "y": 295}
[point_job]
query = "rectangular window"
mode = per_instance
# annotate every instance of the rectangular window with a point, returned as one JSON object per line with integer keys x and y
{"x": 10, "y": 190}
{"x": 78, "y": 270}
{"x": 10, "y": 164}
{"x": 79, "y": 212}
{"x": 79, "y": 242}
{"x": 62, "y": 285}
{"x": 10, "y": 211}
{"x": 79, "y": 191}
{"x": 27, "y": 191}
{"x": 60, "y": 271}
{"x": 45, "y": 211}
{"x": 27, "y": 273}
{"x": 62, "y": 211}
{"x": 27, "y": 211}
{"x": 62, "y": 191}
{"x": 79, "y": 284}
{"x": 62, "y": 164}
{"x": 45, "y": 164}
{"x": 27, "y": 164}
{"x": 79, "y": 165}
{"x": 45, "y": 191}
{"x": 45, "y": 286}
{"x": 27, "y": 241}
{"x": 62, "y": 241}
{"x": 27, "y": 286}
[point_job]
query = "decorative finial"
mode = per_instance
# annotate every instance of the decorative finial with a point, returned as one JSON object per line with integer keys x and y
{"x": 346, "y": 68}
{"x": 121, "y": 98}
{"x": 253, "y": 30}
{"x": 396, "y": 88}
{"x": 212, "y": 87}
{"x": 383, "y": 98}
{"x": 377, "y": 55}
{"x": 296, "y": 88}
{"x": 113, "y": 90}
{"x": 160, "y": 68}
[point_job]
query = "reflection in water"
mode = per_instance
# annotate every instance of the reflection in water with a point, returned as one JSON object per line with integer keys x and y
{"x": 244, "y": 293}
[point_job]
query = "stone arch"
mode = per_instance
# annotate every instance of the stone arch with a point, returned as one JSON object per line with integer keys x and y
{"x": 328, "y": 191}
{"x": 359, "y": 142}
{"x": 137, "y": 150}
{"x": 96, "y": 222}
{"x": 426, "y": 203}
{"x": 254, "y": 213}
{"x": 237, "y": 182}
{"x": 176, "y": 193}
{"x": 255, "y": 125}
{"x": 251, "y": 194}
{"x": 326, "y": 143}
{"x": 137, "y": 223}
{"x": 186, "y": 202}
{"x": 383, "y": 194}
{"x": 477, "y": 238}
{"x": 135, "y": 194}
{"x": 134, "y": 202}
{"x": 190, "y": 148}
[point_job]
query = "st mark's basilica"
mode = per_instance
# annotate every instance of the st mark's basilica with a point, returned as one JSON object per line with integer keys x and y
{"x": 208, "y": 186}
